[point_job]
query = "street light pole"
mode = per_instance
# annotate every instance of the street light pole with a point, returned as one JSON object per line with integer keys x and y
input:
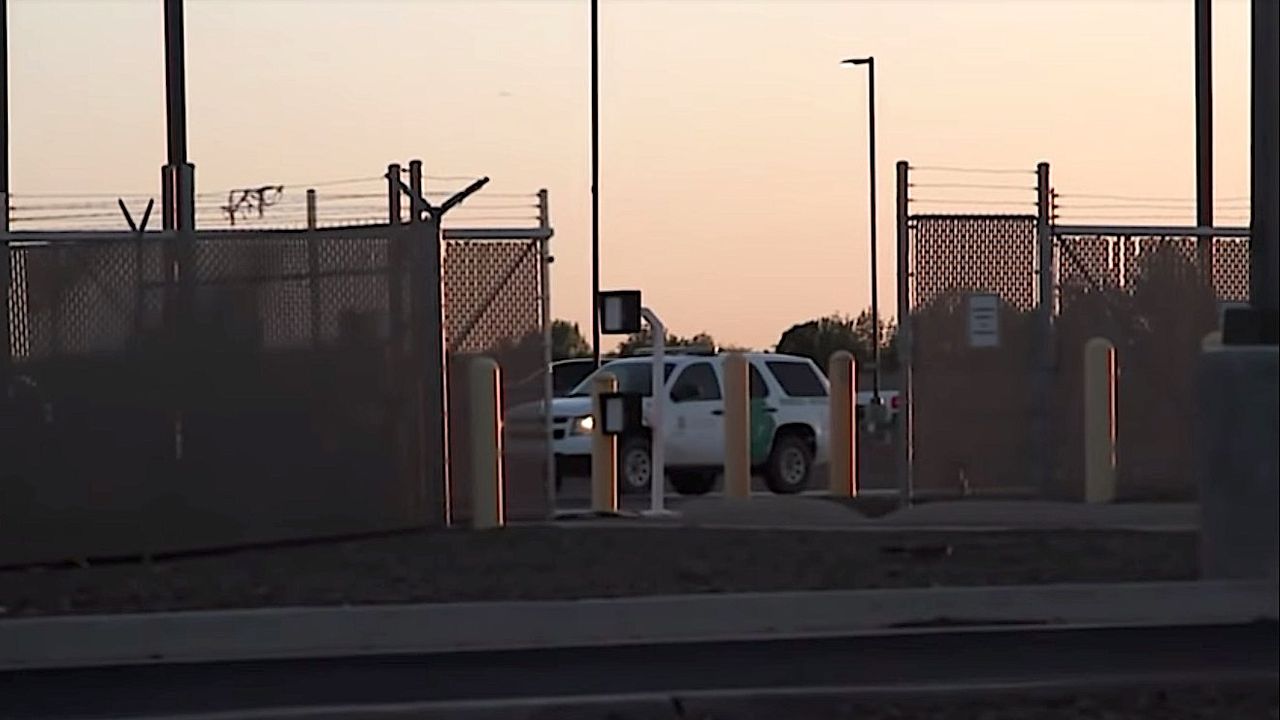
{"x": 1204, "y": 133}
{"x": 595, "y": 184}
{"x": 870, "y": 62}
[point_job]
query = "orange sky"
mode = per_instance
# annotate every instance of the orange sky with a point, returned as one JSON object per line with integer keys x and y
{"x": 734, "y": 167}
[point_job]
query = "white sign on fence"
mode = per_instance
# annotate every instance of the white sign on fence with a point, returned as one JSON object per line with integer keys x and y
{"x": 984, "y": 321}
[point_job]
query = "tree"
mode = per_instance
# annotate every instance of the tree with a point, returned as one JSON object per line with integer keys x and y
{"x": 567, "y": 341}
{"x": 644, "y": 339}
{"x": 819, "y": 339}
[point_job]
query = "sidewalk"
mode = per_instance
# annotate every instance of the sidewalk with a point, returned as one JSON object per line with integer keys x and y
{"x": 317, "y": 632}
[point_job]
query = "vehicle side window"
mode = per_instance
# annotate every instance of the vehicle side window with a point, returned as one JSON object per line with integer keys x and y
{"x": 696, "y": 382}
{"x": 567, "y": 376}
{"x": 797, "y": 379}
{"x": 759, "y": 388}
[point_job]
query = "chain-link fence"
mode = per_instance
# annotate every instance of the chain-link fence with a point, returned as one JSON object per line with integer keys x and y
{"x": 998, "y": 407}
{"x": 972, "y": 406}
{"x": 495, "y": 290}
{"x": 1150, "y": 296}
{"x": 268, "y": 393}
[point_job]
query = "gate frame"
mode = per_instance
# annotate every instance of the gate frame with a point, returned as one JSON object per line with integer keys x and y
{"x": 1044, "y": 355}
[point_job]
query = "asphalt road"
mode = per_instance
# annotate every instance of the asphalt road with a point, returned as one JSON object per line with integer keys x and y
{"x": 1084, "y": 657}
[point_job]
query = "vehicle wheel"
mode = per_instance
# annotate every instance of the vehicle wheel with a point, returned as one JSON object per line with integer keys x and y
{"x": 635, "y": 466}
{"x": 692, "y": 482}
{"x": 789, "y": 465}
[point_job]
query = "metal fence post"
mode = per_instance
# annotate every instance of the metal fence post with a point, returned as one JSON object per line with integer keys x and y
{"x": 313, "y": 268}
{"x": 906, "y": 438}
{"x": 6, "y": 346}
{"x": 548, "y": 385}
{"x": 1042, "y": 443}
{"x": 428, "y": 300}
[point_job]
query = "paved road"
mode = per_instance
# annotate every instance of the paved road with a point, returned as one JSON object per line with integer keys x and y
{"x": 1080, "y": 656}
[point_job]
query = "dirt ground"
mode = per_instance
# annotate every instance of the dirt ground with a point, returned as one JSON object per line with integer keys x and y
{"x": 549, "y": 562}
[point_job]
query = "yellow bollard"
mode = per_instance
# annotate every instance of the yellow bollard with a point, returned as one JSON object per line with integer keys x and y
{"x": 737, "y": 426}
{"x": 1099, "y": 421}
{"x": 604, "y": 450}
{"x": 486, "y": 444}
{"x": 844, "y": 425}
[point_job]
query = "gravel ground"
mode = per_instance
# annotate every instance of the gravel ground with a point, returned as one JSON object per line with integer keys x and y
{"x": 545, "y": 562}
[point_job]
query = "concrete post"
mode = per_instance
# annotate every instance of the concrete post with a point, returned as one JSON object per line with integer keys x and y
{"x": 604, "y": 450}
{"x": 844, "y": 425}
{"x": 737, "y": 427}
{"x": 1099, "y": 421}
{"x": 487, "y": 492}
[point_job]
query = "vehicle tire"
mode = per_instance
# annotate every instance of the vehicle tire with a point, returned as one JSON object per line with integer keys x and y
{"x": 692, "y": 482}
{"x": 790, "y": 464}
{"x": 635, "y": 466}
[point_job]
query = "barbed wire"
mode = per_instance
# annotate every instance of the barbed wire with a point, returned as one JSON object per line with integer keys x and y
{"x": 1141, "y": 206}
{"x": 1147, "y": 198}
{"x": 972, "y": 170}
{"x": 974, "y": 186}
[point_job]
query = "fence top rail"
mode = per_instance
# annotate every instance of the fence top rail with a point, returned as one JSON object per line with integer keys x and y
{"x": 44, "y": 238}
{"x": 972, "y": 216}
{"x": 41, "y": 238}
{"x": 1151, "y": 231}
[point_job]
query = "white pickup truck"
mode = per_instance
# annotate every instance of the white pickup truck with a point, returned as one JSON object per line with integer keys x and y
{"x": 789, "y": 423}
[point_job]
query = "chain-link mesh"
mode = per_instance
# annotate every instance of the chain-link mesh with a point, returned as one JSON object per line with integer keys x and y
{"x": 273, "y": 406}
{"x": 967, "y": 253}
{"x": 493, "y": 306}
{"x": 1231, "y": 269}
{"x": 972, "y": 406}
{"x": 1152, "y": 301}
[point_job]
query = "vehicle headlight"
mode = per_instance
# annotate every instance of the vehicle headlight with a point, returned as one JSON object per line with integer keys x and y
{"x": 583, "y": 425}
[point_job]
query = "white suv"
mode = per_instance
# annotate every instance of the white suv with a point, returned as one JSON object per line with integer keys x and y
{"x": 789, "y": 413}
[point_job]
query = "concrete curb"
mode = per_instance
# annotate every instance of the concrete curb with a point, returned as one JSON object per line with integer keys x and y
{"x": 316, "y": 632}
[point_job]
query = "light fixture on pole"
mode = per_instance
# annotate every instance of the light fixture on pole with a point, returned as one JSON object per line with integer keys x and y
{"x": 875, "y": 266}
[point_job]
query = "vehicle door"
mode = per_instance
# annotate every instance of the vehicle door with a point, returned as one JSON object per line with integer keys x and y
{"x": 696, "y": 417}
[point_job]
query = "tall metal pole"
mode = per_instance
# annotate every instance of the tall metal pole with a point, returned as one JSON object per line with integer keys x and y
{"x": 179, "y": 199}
{"x": 4, "y": 121}
{"x": 175, "y": 82}
{"x": 875, "y": 264}
{"x": 1264, "y": 253}
{"x": 595, "y": 184}
{"x": 1204, "y": 131}
{"x": 6, "y": 350}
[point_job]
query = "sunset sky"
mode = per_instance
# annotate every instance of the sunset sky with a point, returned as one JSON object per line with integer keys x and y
{"x": 734, "y": 170}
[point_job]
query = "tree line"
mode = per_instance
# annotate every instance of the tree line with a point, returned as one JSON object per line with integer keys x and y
{"x": 817, "y": 339}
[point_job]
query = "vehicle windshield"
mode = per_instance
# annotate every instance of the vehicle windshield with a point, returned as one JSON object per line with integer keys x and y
{"x": 633, "y": 377}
